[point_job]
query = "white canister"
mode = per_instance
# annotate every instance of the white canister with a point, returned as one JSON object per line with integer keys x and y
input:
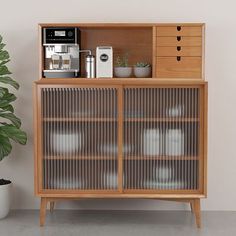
{"x": 174, "y": 145}
{"x": 152, "y": 142}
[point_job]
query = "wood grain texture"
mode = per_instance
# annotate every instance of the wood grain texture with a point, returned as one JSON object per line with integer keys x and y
{"x": 179, "y": 30}
{"x": 197, "y": 211}
{"x": 43, "y": 209}
{"x": 179, "y": 51}
{"x": 169, "y": 41}
{"x": 186, "y": 67}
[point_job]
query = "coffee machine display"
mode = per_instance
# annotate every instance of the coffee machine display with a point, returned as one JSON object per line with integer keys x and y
{"x": 61, "y": 52}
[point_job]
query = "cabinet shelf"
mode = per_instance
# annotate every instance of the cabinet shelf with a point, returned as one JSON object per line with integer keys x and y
{"x": 98, "y": 158}
{"x": 71, "y": 119}
{"x": 76, "y": 119}
{"x": 175, "y": 119}
{"x": 162, "y": 158}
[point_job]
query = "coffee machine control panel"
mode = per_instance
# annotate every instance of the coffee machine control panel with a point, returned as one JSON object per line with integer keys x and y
{"x": 60, "y": 35}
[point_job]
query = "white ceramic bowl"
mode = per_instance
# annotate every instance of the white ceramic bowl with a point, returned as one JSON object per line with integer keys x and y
{"x": 142, "y": 72}
{"x": 66, "y": 143}
{"x": 123, "y": 72}
{"x": 164, "y": 174}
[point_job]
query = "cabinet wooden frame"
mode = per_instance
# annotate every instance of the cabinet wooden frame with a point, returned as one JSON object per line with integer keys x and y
{"x": 120, "y": 84}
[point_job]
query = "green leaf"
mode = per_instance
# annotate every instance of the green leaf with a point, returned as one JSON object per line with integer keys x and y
{"x": 0, "y": 39}
{"x": 13, "y": 133}
{"x": 2, "y": 92}
{"x": 10, "y": 116}
{"x": 4, "y": 62}
{"x": 4, "y": 55}
{"x": 2, "y": 45}
{"x": 5, "y": 147}
{"x": 8, "y": 108}
{"x": 10, "y": 81}
{"x": 6, "y": 98}
{"x": 4, "y": 70}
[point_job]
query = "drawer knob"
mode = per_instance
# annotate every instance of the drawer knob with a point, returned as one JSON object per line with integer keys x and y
{"x": 178, "y": 28}
{"x": 178, "y": 58}
{"x": 178, "y": 38}
{"x": 178, "y": 48}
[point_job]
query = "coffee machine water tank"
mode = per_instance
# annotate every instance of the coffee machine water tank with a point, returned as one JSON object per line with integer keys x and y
{"x": 104, "y": 62}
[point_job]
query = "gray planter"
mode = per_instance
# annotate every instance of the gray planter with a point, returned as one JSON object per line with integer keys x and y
{"x": 123, "y": 72}
{"x": 142, "y": 72}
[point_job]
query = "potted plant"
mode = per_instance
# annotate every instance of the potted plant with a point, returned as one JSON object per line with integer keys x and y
{"x": 142, "y": 70}
{"x": 9, "y": 125}
{"x": 122, "y": 68}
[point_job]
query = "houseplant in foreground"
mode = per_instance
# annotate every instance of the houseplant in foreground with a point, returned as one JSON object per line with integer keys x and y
{"x": 142, "y": 70}
{"x": 122, "y": 68}
{"x": 9, "y": 125}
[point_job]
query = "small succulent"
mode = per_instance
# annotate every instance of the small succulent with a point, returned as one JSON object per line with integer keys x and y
{"x": 122, "y": 61}
{"x": 142, "y": 64}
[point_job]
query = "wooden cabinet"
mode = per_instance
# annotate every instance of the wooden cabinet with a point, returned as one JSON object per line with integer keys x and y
{"x": 126, "y": 138}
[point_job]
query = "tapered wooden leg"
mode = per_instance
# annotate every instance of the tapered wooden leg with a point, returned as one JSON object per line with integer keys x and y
{"x": 197, "y": 211}
{"x": 52, "y": 205}
{"x": 191, "y": 206}
{"x": 43, "y": 208}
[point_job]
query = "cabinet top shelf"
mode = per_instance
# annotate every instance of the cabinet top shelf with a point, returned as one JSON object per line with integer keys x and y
{"x": 104, "y": 25}
{"x": 120, "y": 81}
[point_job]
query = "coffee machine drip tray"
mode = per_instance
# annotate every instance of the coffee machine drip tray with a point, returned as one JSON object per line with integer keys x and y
{"x": 61, "y": 73}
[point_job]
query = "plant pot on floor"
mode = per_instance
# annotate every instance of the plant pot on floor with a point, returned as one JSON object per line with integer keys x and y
{"x": 5, "y": 197}
{"x": 123, "y": 72}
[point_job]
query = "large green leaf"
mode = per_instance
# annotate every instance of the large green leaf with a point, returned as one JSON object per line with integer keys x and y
{"x": 0, "y": 39}
{"x": 13, "y": 133}
{"x": 4, "y": 55}
{"x": 2, "y": 45}
{"x": 4, "y": 102}
{"x": 10, "y": 81}
{"x": 10, "y": 116}
{"x": 4, "y": 62}
{"x": 5, "y": 147}
{"x": 7, "y": 108}
{"x": 4, "y": 70}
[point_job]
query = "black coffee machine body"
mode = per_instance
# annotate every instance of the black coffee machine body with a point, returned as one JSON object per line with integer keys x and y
{"x": 61, "y": 52}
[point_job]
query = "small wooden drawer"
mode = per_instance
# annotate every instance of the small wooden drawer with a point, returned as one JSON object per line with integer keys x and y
{"x": 179, "y": 31}
{"x": 179, "y": 41}
{"x": 179, "y": 51}
{"x": 179, "y": 67}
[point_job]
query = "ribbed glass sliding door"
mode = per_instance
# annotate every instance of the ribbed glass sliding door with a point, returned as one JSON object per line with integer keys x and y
{"x": 79, "y": 138}
{"x": 161, "y": 138}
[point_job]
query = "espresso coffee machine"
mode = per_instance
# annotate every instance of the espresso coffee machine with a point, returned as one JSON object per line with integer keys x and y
{"x": 61, "y": 52}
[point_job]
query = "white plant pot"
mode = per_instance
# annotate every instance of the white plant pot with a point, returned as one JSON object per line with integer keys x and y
{"x": 142, "y": 72}
{"x": 123, "y": 72}
{"x": 5, "y": 199}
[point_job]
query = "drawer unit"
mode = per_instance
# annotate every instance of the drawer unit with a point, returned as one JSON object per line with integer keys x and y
{"x": 179, "y": 51}
{"x": 179, "y": 30}
{"x": 179, "y": 41}
{"x": 179, "y": 67}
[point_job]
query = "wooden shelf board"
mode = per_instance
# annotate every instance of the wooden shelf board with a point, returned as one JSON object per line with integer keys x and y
{"x": 174, "y": 119}
{"x": 80, "y": 158}
{"x": 76, "y": 119}
{"x": 162, "y": 158}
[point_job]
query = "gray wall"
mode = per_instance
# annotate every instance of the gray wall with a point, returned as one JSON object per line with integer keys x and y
{"x": 18, "y": 25}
